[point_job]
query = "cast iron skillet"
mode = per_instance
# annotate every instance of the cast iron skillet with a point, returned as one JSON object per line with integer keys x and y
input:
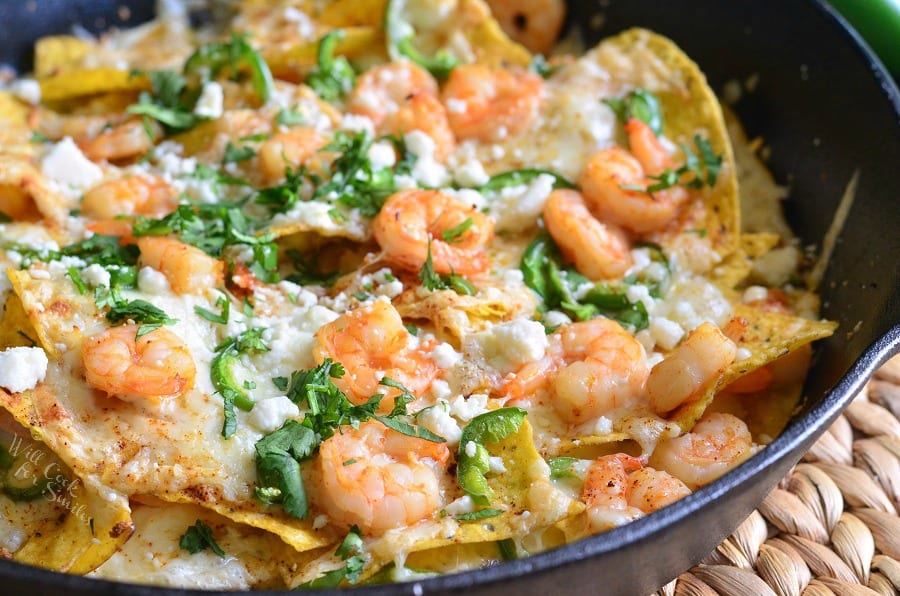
{"x": 827, "y": 108}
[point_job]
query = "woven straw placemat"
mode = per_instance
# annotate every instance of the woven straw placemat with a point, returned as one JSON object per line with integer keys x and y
{"x": 831, "y": 525}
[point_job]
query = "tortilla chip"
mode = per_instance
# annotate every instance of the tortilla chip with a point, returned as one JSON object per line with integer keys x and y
{"x": 23, "y": 185}
{"x": 769, "y": 336}
{"x": 689, "y": 108}
{"x": 352, "y": 13}
{"x": 78, "y": 83}
{"x": 292, "y": 62}
{"x": 489, "y": 42}
{"x": 15, "y": 328}
{"x": 85, "y": 522}
{"x": 738, "y": 266}
{"x": 60, "y": 316}
{"x": 456, "y": 316}
{"x": 12, "y": 111}
{"x": 58, "y": 53}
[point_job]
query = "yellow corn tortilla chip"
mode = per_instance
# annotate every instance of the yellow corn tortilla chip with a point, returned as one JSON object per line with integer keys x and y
{"x": 15, "y": 327}
{"x": 739, "y": 264}
{"x": 769, "y": 336}
{"x": 12, "y": 111}
{"x": 58, "y": 53}
{"x": 489, "y": 42}
{"x": 293, "y": 61}
{"x": 21, "y": 183}
{"x": 352, "y": 13}
{"x": 77, "y": 83}
{"x": 689, "y": 108}
{"x": 59, "y": 315}
{"x": 85, "y": 528}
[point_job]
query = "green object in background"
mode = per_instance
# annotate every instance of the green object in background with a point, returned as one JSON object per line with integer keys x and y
{"x": 878, "y": 21}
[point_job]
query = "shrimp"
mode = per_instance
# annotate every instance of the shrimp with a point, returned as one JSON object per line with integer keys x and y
{"x": 717, "y": 443}
{"x": 289, "y": 149}
{"x": 491, "y": 104}
{"x": 535, "y": 23}
{"x": 381, "y": 91}
{"x": 423, "y": 112}
{"x": 609, "y": 170}
{"x": 126, "y": 140}
{"x": 591, "y": 368}
{"x": 372, "y": 343}
{"x": 154, "y": 366}
{"x": 607, "y": 370}
{"x": 379, "y": 479}
{"x": 411, "y": 221}
{"x": 135, "y": 195}
{"x": 18, "y": 203}
{"x": 187, "y": 268}
{"x": 599, "y": 251}
{"x": 691, "y": 369}
{"x": 619, "y": 488}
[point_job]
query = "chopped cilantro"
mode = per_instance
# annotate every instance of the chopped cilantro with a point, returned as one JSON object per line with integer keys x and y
{"x": 640, "y": 104}
{"x": 39, "y": 137}
{"x": 332, "y": 77}
{"x": 235, "y": 154}
{"x": 432, "y": 281}
{"x": 222, "y": 318}
{"x": 352, "y": 552}
{"x": 455, "y": 233}
{"x": 540, "y": 66}
{"x": 476, "y": 515}
{"x": 289, "y": 118}
{"x": 278, "y": 469}
{"x": 523, "y": 176}
{"x": 170, "y": 102}
{"x": 148, "y": 316}
{"x": 561, "y": 467}
{"x": 199, "y": 537}
{"x": 80, "y": 284}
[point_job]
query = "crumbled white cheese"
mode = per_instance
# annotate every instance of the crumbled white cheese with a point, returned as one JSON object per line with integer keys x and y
{"x": 66, "y": 164}
{"x": 743, "y": 354}
{"x": 152, "y": 281}
{"x": 496, "y": 464}
{"x": 515, "y": 209}
{"x": 754, "y": 294}
{"x": 471, "y": 173}
{"x": 28, "y": 90}
{"x": 382, "y": 155}
{"x": 507, "y": 346}
{"x": 471, "y": 448}
{"x": 211, "y": 100}
{"x": 357, "y": 123}
{"x": 269, "y": 414}
{"x": 22, "y": 368}
{"x": 466, "y": 408}
{"x": 427, "y": 170}
{"x": 603, "y": 426}
{"x": 464, "y": 504}
{"x": 96, "y": 275}
{"x": 438, "y": 420}
{"x": 666, "y": 333}
{"x": 445, "y": 356}
{"x": 556, "y": 318}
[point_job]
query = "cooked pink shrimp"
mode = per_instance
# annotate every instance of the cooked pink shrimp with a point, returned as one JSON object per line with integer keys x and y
{"x": 425, "y": 113}
{"x": 599, "y": 251}
{"x": 609, "y": 170}
{"x": 591, "y": 368}
{"x": 381, "y": 91}
{"x": 135, "y": 195}
{"x": 379, "y": 479}
{"x": 288, "y": 150}
{"x": 491, "y": 104}
{"x": 619, "y": 488}
{"x": 372, "y": 343}
{"x": 412, "y": 218}
{"x": 124, "y": 141}
{"x": 535, "y": 24}
{"x": 716, "y": 444}
{"x": 691, "y": 369}
{"x": 155, "y": 366}
{"x": 187, "y": 268}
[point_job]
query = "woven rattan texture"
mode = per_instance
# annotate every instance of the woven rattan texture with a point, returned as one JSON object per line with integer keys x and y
{"x": 831, "y": 525}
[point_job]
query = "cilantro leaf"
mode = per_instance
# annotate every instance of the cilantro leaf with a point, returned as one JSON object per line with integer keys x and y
{"x": 474, "y": 463}
{"x": 640, "y": 104}
{"x": 170, "y": 102}
{"x": 540, "y": 66}
{"x": 476, "y": 515}
{"x": 432, "y": 281}
{"x": 352, "y": 552}
{"x": 237, "y": 55}
{"x": 523, "y": 176}
{"x": 221, "y": 318}
{"x": 561, "y": 467}
{"x": 455, "y": 233}
{"x": 234, "y": 154}
{"x": 199, "y": 537}
{"x": 120, "y": 310}
{"x": 287, "y": 117}
{"x": 332, "y": 77}
{"x": 278, "y": 469}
